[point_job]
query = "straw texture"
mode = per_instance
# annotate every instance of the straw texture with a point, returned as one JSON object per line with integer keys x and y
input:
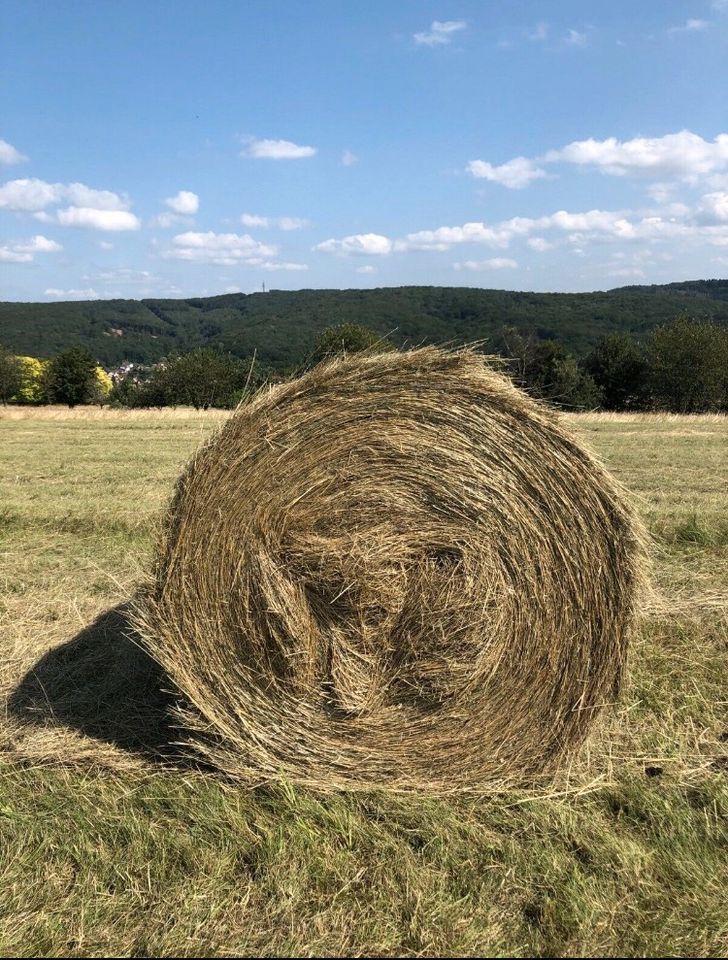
{"x": 396, "y": 571}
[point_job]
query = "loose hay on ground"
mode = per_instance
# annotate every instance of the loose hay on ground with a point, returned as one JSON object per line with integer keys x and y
{"x": 396, "y": 570}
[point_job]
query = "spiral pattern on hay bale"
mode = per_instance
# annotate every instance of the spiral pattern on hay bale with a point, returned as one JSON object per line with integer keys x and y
{"x": 396, "y": 570}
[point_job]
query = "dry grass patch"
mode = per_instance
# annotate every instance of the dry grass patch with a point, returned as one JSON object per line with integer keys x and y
{"x": 104, "y": 851}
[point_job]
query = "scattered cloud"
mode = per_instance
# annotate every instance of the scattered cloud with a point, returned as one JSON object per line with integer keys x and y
{"x": 281, "y": 223}
{"x": 220, "y": 248}
{"x": 9, "y": 154}
{"x": 105, "y": 245}
{"x": 23, "y": 251}
{"x": 574, "y": 38}
{"x": 167, "y": 219}
{"x": 366, "y": 269}
{"x": 693, "y": 25}
{"x": 181, "y": 210}
{"x": 254, "y": 220}
{"x": 443, "y": 238}
{"x": 684, "y": 155}
{"x": 540, "y": 32}
{"x": 636, "y": 273}
{"x": 276, "y": 150}
{"x": 274, "y": 265}
{"x": 96, "y": 209}
{"x": 515, "y": 174}
{"x": 495, "y": 263}
{"x": 714, "y": 206}
{"x": 440, "y": 33}
{"x": 185, "y": 203}
{"x": 30, "y": 194}
{"x": 364, "y": 244}
{"x": 707, "y": 222}
{"x": 93, "y": 219}
{"x": 539, "y": 244}
{"x": 73, "y": 294}
{"x": 348, "y": 159}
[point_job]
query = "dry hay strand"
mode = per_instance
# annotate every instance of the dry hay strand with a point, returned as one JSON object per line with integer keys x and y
{"x": 398, "y": 571}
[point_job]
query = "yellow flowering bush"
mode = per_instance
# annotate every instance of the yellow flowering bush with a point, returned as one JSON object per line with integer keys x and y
{"x": 32, "y": 390}
{"x": 103, "y": 383}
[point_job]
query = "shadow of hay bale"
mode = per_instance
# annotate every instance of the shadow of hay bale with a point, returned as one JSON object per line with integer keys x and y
{"x": 104, "y": 685}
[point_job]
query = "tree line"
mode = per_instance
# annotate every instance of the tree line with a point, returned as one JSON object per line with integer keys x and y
{"x": 681, "y": 366}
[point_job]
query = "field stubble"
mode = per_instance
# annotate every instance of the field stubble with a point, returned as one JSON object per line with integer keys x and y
{"x": 108, "y": 845}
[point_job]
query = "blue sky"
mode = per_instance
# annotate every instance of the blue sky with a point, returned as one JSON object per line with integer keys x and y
{"x": 187, "y": 149}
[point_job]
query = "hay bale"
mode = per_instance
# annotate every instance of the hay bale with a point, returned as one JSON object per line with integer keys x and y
{"x": 396, "y": 570}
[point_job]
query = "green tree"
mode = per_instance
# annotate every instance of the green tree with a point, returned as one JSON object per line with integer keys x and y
{"x": 11, "y": 375}
{"x": 547, "y": 370}
{"x": 688, "y": 362}
{"x": 202, "y": 378}
{"x": 348, "y": 338}
{"x": 71, "y": 377}
{"x": 619, "y": 368}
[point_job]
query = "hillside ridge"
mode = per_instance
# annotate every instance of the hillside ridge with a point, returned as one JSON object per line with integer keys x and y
{"x": 281, "y": 325}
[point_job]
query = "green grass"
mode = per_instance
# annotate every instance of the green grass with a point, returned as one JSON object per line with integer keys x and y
{"x": 104, "y": 851}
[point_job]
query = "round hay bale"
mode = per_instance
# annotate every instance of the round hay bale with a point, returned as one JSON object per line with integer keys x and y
{"x": 397, "y": 571}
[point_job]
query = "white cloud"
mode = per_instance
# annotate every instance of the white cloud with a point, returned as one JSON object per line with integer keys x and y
{"x": 677, "y": 222}
{"x": 634, "y": 272}
{"x": 693, "y": 25}
{"x": 80, "y": 195}
{"x": 29, "y": 194}
{"x": 185, "y": 203}
{"x": 39, "y": 244}
{"x": 495, "y": 263}
{"x": 282, "y": 223}
{"x": 23, "y": 251}
{"x": 8, "y": 255}
{"x": 89, "y": 207}
{"x": 124, "y": 276}
{"x": 539, "y": 244}
{"x": 683, "y": 155}
{"x": 661, "y": 192}
{"x": 73, "y": 294}
{"x": 364, "y": 244}
{"x": 440, "y": 33}
{"x": 348, "y": 159}
{"x": 167, "y": 219}
{"x": 580, "y": 227}
{"x": 499, "y": 235}
{"x": 220, "y": 248}
{"x": 9, "y": 155}
{"x": 367, "y": 269}
{"x": 677, "y": 154}
{"x": 277, "y": 150}
{"x": 516, "y": 173}
{"x": 105, "y": 245}
{"x": 715, "y": 206}
{"x": 576, "y": 39}
{"x": 274, "y": 265}
{"x": 92, "y": 219}
{"x": 254, "y": 220}
{"x": 292, "y": 223}
{"x": 34, "y": 195}
{"x": 540, "y": 32}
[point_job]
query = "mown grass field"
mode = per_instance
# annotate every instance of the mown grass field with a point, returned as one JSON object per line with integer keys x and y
{"x": 104, "y": 850}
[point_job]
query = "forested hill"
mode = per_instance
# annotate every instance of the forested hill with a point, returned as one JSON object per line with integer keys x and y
{"x": 283, "y": 325}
